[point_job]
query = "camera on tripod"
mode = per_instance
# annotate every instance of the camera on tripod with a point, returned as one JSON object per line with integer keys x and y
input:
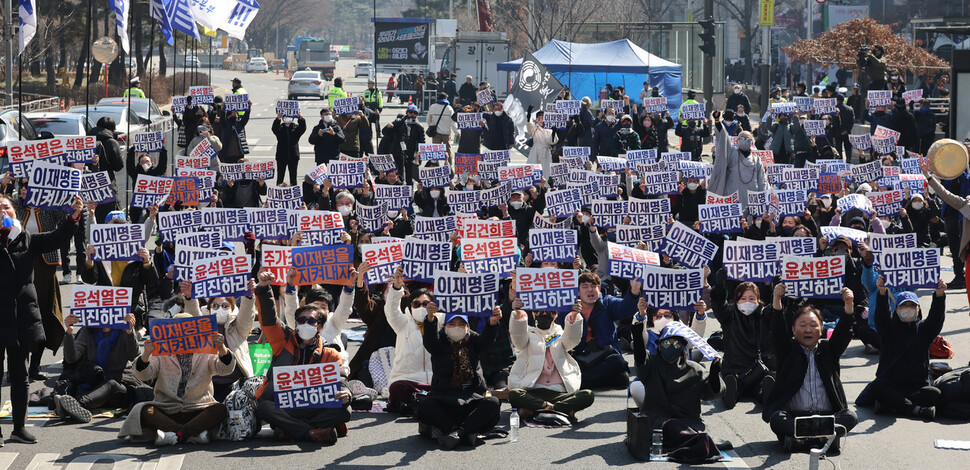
{"x": 864, "y": 51}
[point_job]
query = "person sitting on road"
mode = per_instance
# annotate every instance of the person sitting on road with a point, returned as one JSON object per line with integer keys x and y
{"x": 544, "y": 376}
{"x": 456, "y": 410}
{"x": 747, "y": 361}
{"x": 297, "y": 346}
{"x": 600, "y": 314}
{"x": 808, "y": 381}
{"x": 902, "y": 386}
{"x": 183, "y": 409}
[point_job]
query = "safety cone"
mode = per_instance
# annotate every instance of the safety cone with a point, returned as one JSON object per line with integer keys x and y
{"x": 410, "y": 101}
{"x": 62, "y": 105}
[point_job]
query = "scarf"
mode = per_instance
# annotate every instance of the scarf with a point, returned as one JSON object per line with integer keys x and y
{"x": 105, "y": 343}
{"x": 185, "y": 363}
{"x": 461, "y": 362}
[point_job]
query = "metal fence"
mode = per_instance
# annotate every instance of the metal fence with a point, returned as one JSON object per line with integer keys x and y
{"x": 37, "y": 106}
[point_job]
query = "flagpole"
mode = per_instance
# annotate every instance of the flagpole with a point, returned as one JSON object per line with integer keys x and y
{"x": 210, "y": 60}
{"x": 151, "y": 58}
{"x": 87, "y": 64}
{"x": 175, "y": 64}
{"x": 127, "y": 39}
{"x": 20, "y": 95}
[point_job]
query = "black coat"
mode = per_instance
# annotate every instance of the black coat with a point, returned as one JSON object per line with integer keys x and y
{"x": 467, "y": 93}
{"x": 793, "y": 363}
{"x": 746, "y": 337}
{"x": 20, "y": 324}
{"x": 904, "y": 356}
{"x": 426, "y": 204}
{"x": 109, "y": 151}
{"x": 134, "y": 169}
{"x": 738, "y": 99}
{"x": 326, "y": 147}
{"x": 499, "y": 133}
{"x": 136, "y": 276}
{"x": 439, "y": 346}
{"x": 288, "y": 139}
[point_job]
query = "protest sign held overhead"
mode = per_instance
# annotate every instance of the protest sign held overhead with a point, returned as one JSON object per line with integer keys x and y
{"x": 52, "y": 186}
{"x": 750, "y": 260}
{"x": 101, "y": 307}
{"x": 628, "y": 263}
{"x": 547, "y": 288}
{"x": 97, "y": 187}
{"x": 687, "y": 247}
{"x": 117, "y": 242}
{"x": 552, "y": 245}
{"x": 221, "y": 276}
{"x": 423, "y": 258}
{"x": 171, "y": 336}
{"x": 146, "y": 142}
{"x": 678, "y": 289}
{"x": 466, "y": 294}
{"x": 909, "y": 268}
{"x": 489, "y": 255}
{"x": 288, "y": 108}
{"x": 322, "y": 264}
{"x": 813, "y": 277}
{"x": 383, "y": 259}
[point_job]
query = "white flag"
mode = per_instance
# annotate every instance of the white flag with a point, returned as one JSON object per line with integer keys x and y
{"x": 121, "y": 9}
{"x": 212, "y": 13}
{"x": 28, "y": 22}
{"x": 242, "y": 14}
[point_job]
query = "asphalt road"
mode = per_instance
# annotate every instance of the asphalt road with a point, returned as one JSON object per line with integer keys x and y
{"x": 382, "y": 440}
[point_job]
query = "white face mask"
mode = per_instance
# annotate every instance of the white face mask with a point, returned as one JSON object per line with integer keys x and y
{"x": 497, "y": 112}
{"x": 737, "y": 91}
{"x": 747, "y": 308}
{"x": 305, "y": 331}
{"x": 728, "y": 123}
{"x": 611, "y": 118}
{"x": 174, "y": 310}
{"x": 435, "y": 193}
{"x": 658, "y": 325}
{"x": 584, "y": 219}
{"x": 516, "y": 204}
{"x": 419, "y": 314}
{"x": 456, "y": 333}
{"x": 327, "y": 119}
{"x": 392, "y": 214}
{"x": 907, "y": 315}
{"x": 344, "y": 210}
{"x": 692, "y": 186}
{"x": 917, "y": 205}
{"x": 145, "y": 166}
{"x": 827, "y": 202}
{"x": 222, "y": 316}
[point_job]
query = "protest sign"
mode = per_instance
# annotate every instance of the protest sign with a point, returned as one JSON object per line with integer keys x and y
{"x": 346, "y": 174}
{"x": 319, "y": 174}
{"x": 186, "y": 256}
{"x": 221, "y": 276}
{"x": 101, "y": 307}
{"x": 814, "y": 127}
{"x": 172, "y": 336}
{"x": 628, "y": 263}
{"x": 805, "y": 179}
{"x": 317, "y": 227}
{"x": 655, "y": 105}
{"x": 883, "y": 145}
{"x": 396, "y": 197}
{"x": 913, "y": 96}
{"x": 698, "y": 170}
{"x": 145, "y": 142}
{"x": 22, "y": 155}
{"x": 750, "y": 260}
{"x": 883, "y": 132}
{"x": 474, "y": 228}
{"x": 855, "y": 201}
{"x": 673, "y": 159}
{"x": 607, "y": 164}
{"x": 615, "y": 104}
{"x": 679, "y": 329}
{"x": 208, "y": 240}
{"x": 488, "y": 171}
{"x": 185, "y": 190}
{"x": 862, "y": 143}
{"x": 179, "y": 103}
{"x": 608, "y": 213}
{"x": 466, "y": 294}
{"x": 804, "y": 104}
{"x": 774, "y": 171}
{"x": 647, "y": 212}
{"x": 232, "y": 224}
{"x": 538, "y": 222}
{"x": 909, "y": 268}
{"x": 605, "y": 185}
{"x": 645, "y": 156}
{"x": 692, "y": 112}
{"x": 714, "y": 198}
{"x": 833, "y": 233}
{"x": 467, "y": 163}
{"x": 201, "y": 95}
{"x": 761, "y": 203}
{"x": 563, "y": 203}
{"x": 207, "y": 181}
{"x": 798, "y": 246}
{"x": 322, "y": 264}
{"x": 886, "y": 203}
{"x": 372, "y": 219}
{"x": 552, "y": 245}
{"x": 784, "y": 108}
{"x": 117, "y": 242}
{"x": 866, "y": 172}
{"x": 912, "y": 184}
{"x": 174, "y": 223}
{"x": 720, "y": 218}
{"x": 485, "y": 97}
{"x": 435, "y": 176}
{"x": 767, "y": 157}
{"x": 236, "y": 102}
{"x": 269, "y": 223}
{"x": 383, "y": 259}
{"x": 382, "y": 162}
{"x": 879, "y": 242}
{"x": 633, "y": 235}
{"x": 554, "y": 120}
{"x": 687, "y": 247}
{"x": 423, "y": 258}
{"x": 500, "y": 156}
{"x": 830, "y": 183}
{"x": 547, "y": 289}
{"x": 791, "y": 202}
{"x": 307, "y": 386}
{"x": 437, "y": 229}
{"x": 346, "y": 106}
{"x": 678, "y": 289}
{"x": 879, "y": 98}
{"x": 433, "y": 152}
{"x": 52, "y": 186}
{"x": 277, "y": 260}
{"x": 469, "y": 121}
{"x": 580, "y": 176}
{"x": 97, "y": 187}
{"x": 568, "y": 107}
{"x": 497, "y": 195}
{"x": 805, "y": 276}
{"x": 656, "y": 184}
{"x": 288, "y": 108}
{"x": 284, "y": 197}
{"x": 464, "y": 202}
{"x": 199, "y": 157}
{"x": 489, "y": 255}
{"x": 248, "y": 171}
{"x": 824, "y": 106}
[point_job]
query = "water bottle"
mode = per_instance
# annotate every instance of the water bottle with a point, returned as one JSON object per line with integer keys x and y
{"x": 656, "y": 450}
{"x": 514, "y": 426}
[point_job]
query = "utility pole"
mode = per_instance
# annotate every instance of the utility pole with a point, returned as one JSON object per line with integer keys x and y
{"x": 709, "y": 58}
{"x": 765, "y": 68}
{"x": 8, "y": 60}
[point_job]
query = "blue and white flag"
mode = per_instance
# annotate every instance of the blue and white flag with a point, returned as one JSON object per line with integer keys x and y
{"x": 121, "y": 9}
{"x": 175, "y": 15}
{"x": 28, "y": 22}
{"x": 240, "y": 18}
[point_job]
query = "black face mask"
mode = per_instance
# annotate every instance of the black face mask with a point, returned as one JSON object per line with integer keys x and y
{"x": 543, "y": 322}
{"x": 670, "y": 353}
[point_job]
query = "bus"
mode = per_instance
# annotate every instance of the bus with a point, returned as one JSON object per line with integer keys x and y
{"x": 314, "y": 54}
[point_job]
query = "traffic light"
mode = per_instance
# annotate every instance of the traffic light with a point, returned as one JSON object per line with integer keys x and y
{"x": 707, "y": 36}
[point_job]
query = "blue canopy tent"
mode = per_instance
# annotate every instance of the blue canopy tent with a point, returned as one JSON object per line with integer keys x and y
{"x": 585, "y": 68}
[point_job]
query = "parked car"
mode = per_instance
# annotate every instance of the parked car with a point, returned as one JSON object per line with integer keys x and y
{"x": 11, "y": 129}
{"x": 257, "y": 64}
{"x": 306, "y": 83}
{"x": 362, "y": 69}
{"x": 146, "y": 108}
{"x": 60, "y": 124}
{"x": 121, "y": 115}
{"x": 192, "y": 61}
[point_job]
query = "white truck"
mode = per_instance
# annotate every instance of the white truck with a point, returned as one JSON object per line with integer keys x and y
{"x": 478, "y": 54}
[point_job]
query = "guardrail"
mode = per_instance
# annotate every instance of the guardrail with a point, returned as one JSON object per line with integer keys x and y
{"x": 41, "y": 105}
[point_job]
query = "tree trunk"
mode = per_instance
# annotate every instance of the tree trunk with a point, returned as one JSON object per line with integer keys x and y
{"x": 85, "y": 51}
{"x": 746, "y": 52}
{"x": 162, "y": 63}
{"x": 50, "y": 70}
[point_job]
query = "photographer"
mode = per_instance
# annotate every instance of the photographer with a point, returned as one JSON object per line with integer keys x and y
{"x": 875, "y": 65}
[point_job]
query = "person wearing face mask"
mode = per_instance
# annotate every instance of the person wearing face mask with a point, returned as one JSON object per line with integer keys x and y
{"x": 108, "y": 149}
{"x": 905, "y": 122}
{"x": 808, "y": 379}
{"x": 738, "y": 98}
{"x": 342, "y": 202}
{"x": 326, "y": 138}
{"x": 411, "y": 370}
{"x": 882, "y": 116}
{"x": 902, "y": 387}
{"x": 626, "y": 138}
{"x": 334, "y": 319}
{"x": 543, "y": 140}
{"x": 735, "y": 169}
{"x": 498, "y": 131}
{"x": 924, "y": 215}
{"x": 234, "y": 144}
{"x": 288, "y": 133}
{"x": 298, "y": 346}
{"x": 544, "y": 376}
{"x": 456, "y": 410}
{"x": 522, "y": 207}
{"x": 431, "y": 202}
{"x": 604, "y": 133}
{"x": 692, "y": 135}
{"x": 748, "y": 359}
{"x": 145, "y": 166}
{"x": 782, "y": 145}
{"x": 925, "y": 126}
{"x": 404, "y": 135}
{"x": 685, "y": 208}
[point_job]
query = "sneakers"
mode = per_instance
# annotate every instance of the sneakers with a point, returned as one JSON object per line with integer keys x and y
{"x": 323, "y": 435}
{"x": 470, "y": 439}
{"x": 66, "y": 406}
{"x": 501, "y": 394}
{"x": 958, "y": 282}
{"x": 38, "y": 377}
{"x": 202, "y": 438}
{"x": 67, "y": 279}
{"x": 449, "y": 441}
{"x": 426, "y": 430}
{"x": 23, "y": 435}
{"x": 163, "y": 438}
{"x": 356, "y": 387}
{"x": 730, "y": 396}
{"x": 767, "y": 384}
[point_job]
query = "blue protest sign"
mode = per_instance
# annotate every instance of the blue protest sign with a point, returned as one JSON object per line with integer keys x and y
{"x": 346, "y": 106}
{"x": 269, "y": 223}
{"x": 469, "y": 121}
{"x": 288, "y": 108}
{"x": 347, "y": 174}
{"x": 435, "y": 176}
{"x": 117, "y": 242}
{"x": 911, "y": 268}
{"x": 234, "y": 102}
{"x": 97, "y": 187}
{"x": 221, "y": 276}
{"x": 687, "y": 247}
{"x": 423, "y": 258}
{"x": 552, "y": 245}
{"x": 464, "y": 202}
{"x": 101, "y": 307}
{"x": 437, "y": 229}
{"x": 52, "y": 186}
{"x": 608, "y": 213}
{"x": 466, "y": 294}
{"x": 678, "y": 289}
{"x": 231, "y": 223}
{"x": 749, "y": 260}
{"x": 656, "y": 184}
{"x": 692, "y": 112}
{"x": 633, "y": 235}
{"x": 879, "y": 242}
{"x": 563, "y": 203}
{"x": 679, "y": 329}
{"x": 855, "y": 201}
{"x": 720, "y": 218}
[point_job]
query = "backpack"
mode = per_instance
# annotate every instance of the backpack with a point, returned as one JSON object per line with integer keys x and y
{"x": 379, "y": 366}
{"x": 242, "y": 422}
{"x": 940, "y": 348}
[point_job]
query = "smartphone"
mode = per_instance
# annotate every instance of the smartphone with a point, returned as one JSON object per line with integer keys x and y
{"x": 814, "y": 426}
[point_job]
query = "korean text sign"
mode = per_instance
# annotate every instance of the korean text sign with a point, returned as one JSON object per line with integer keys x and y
{"x": 322, "y": 264}
{"x": 466, "y": 294}
{"x": 307, "y": 386}
{"x": 813, "y": 277}
{"x": 221, "y": 276}
{"x": 546, "y": 288}
{"x": 101, "y": 307}
{"x": 183, "y": 335}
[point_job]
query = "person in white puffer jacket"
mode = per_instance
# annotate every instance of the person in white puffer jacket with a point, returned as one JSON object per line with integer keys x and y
{"x": 411, "y": 370}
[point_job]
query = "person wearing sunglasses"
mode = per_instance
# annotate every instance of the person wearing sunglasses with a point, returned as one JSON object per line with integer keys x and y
{"x": 334, "y": 320}
{"x": 301, "y": 345}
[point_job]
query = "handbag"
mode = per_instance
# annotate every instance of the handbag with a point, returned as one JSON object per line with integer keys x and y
{"x": 940, "y": 348}
{"x": 593, "y": 354}
{"x": 433, "y": 130}
{"x": 639, "y": 436}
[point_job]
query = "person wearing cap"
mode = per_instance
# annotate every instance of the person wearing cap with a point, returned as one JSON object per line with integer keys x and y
{"x": 183, "y": 409}
{"x": 807, "y": 380}
{"x": 692, "y": 135}
{"x": 336, "y": 91}
{"x": 326, "y": 138}
{"x": 456, "y": 409}
{"x": 846, "y": 116}
{"x": 302, "y": 344}
{"x": 140, "y": 275}
{"x": 133, "y": 91}
{"x": 404, "y": 135}
{"x": 902, "y": 386}
{"x": 237, "y": 89}
{"x": 626, "y": 138}
{"x": 374, "y": 100}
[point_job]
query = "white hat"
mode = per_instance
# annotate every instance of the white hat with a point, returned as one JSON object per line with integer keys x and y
{"x": 863, "y": 187}
{"x": 135, "y": 80}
